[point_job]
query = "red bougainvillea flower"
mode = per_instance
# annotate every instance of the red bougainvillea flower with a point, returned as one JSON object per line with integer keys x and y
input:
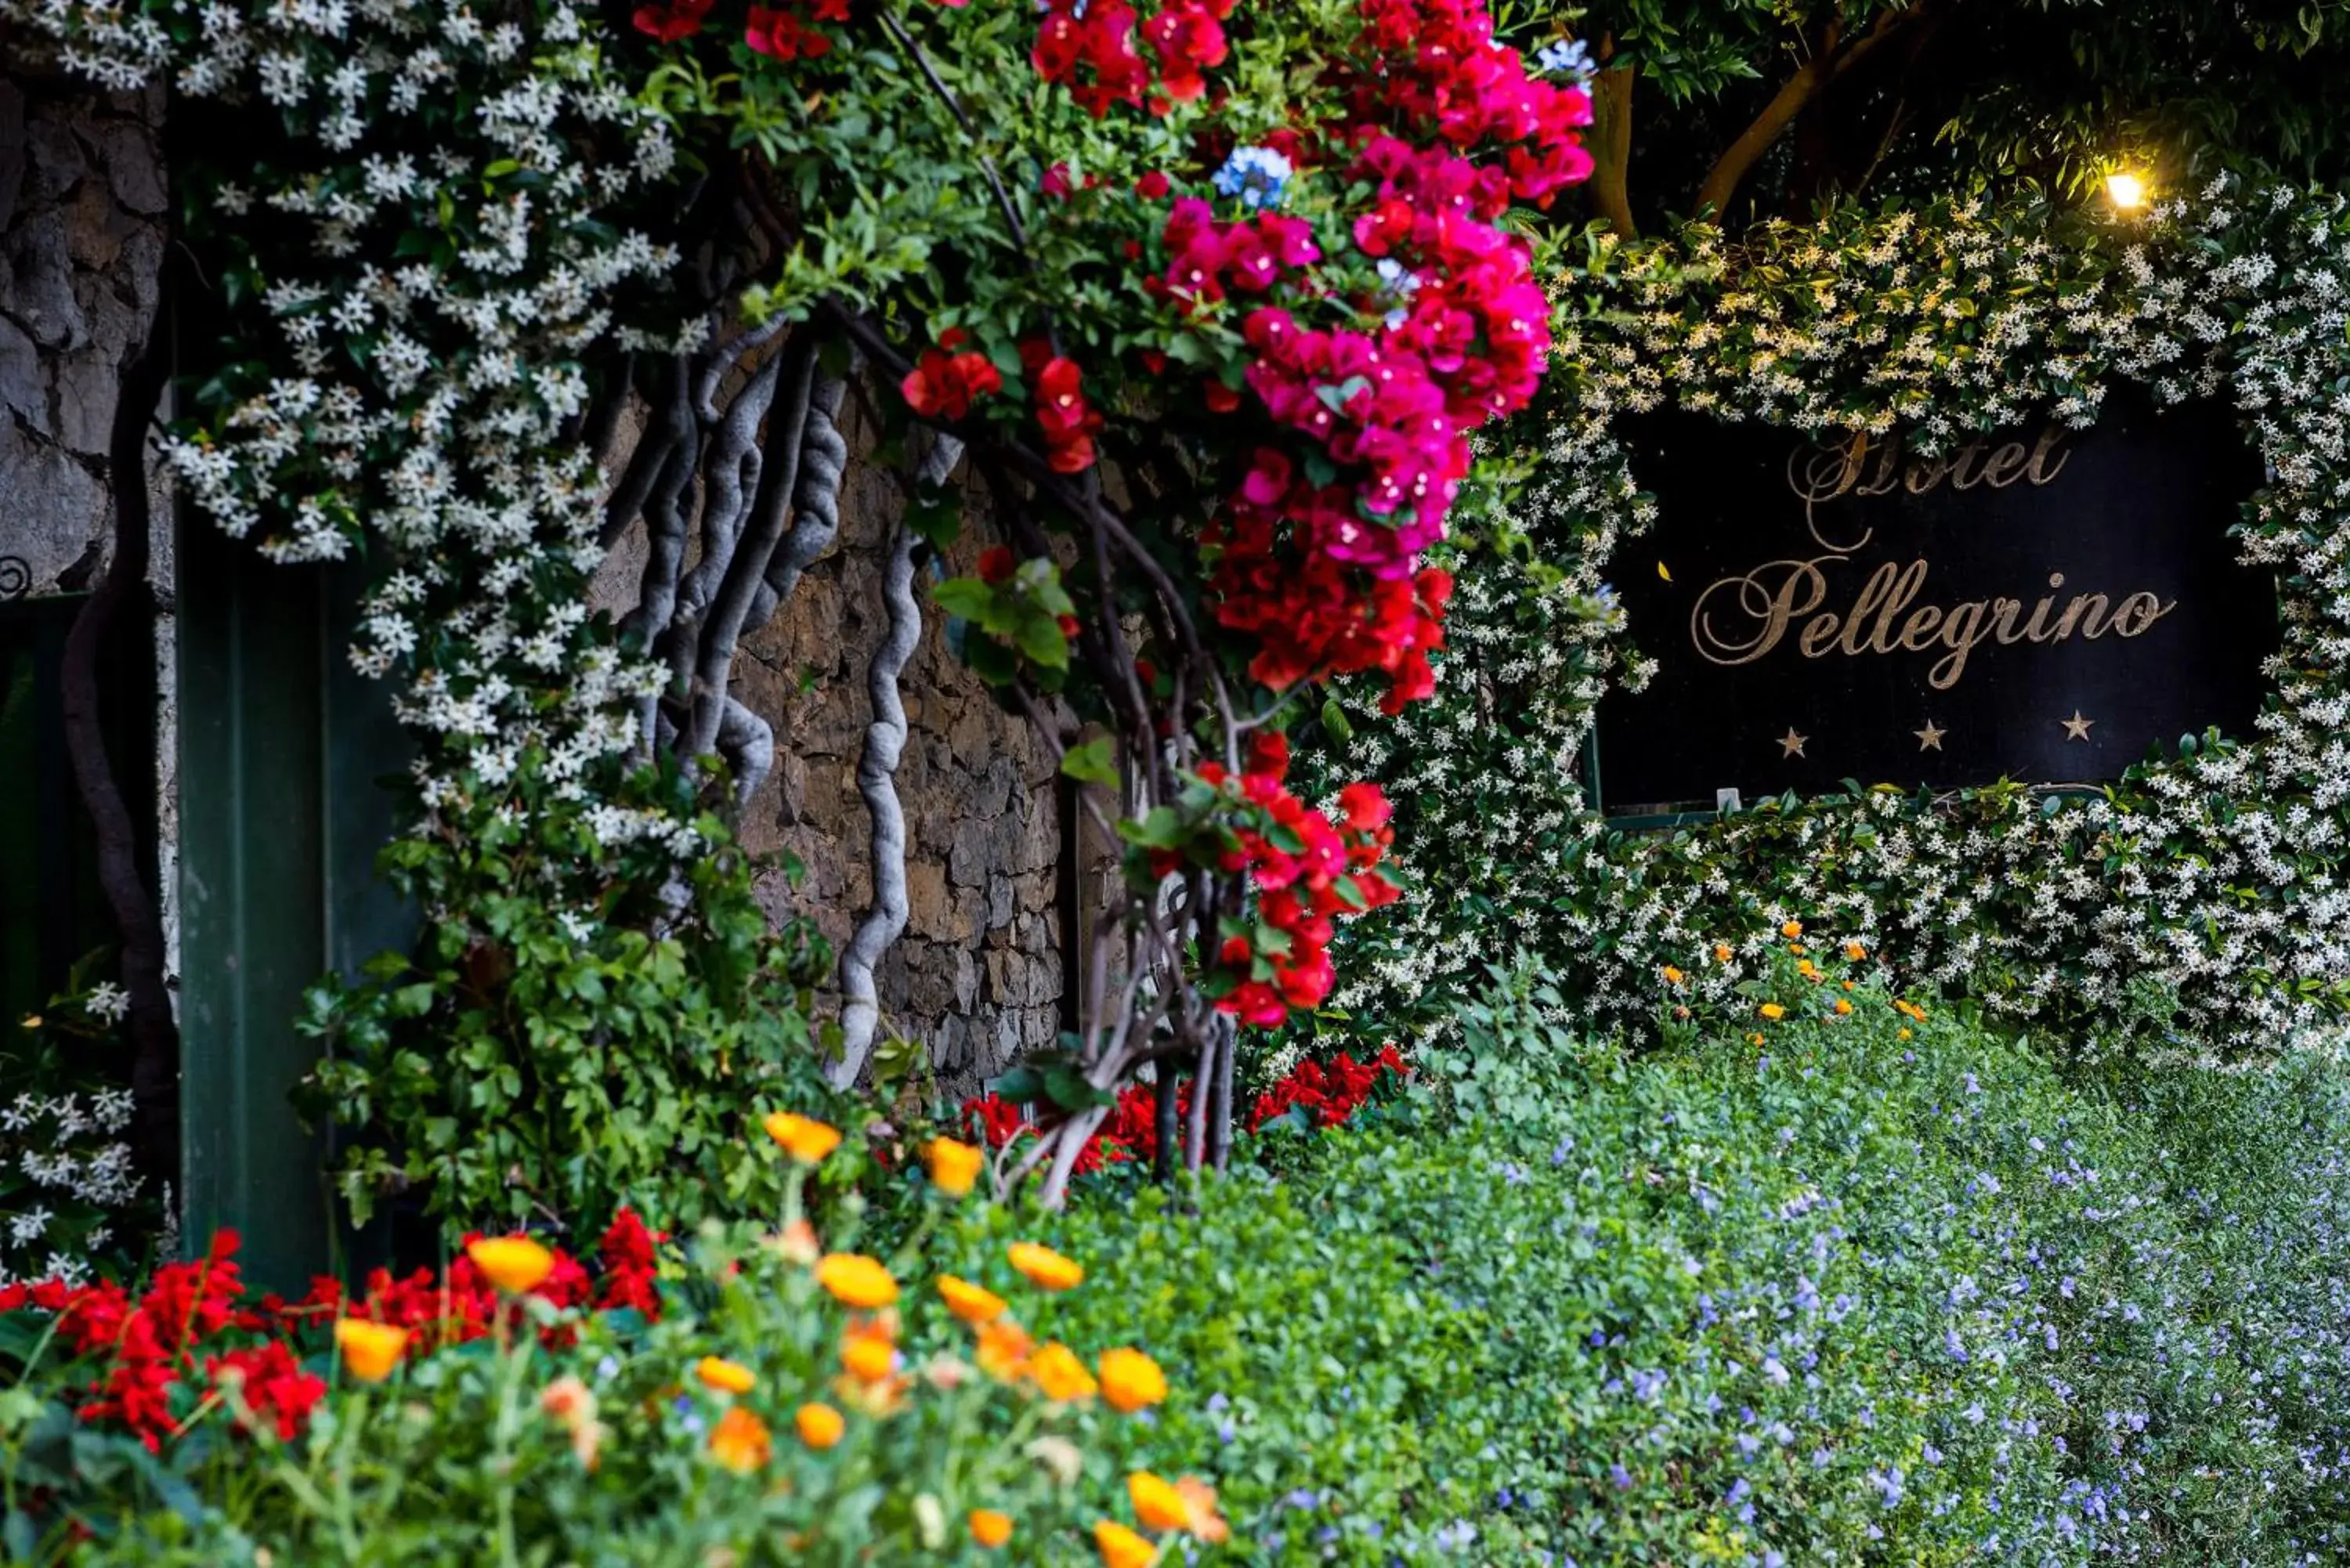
{"x": 1087, "y": 47}
{"x": 943, "y": 382}
{"x": 1062, "y": 415}
{"x": 1188, "y": 37}
{"x": 781, "y": 34}
{"x": 675, "y": 20}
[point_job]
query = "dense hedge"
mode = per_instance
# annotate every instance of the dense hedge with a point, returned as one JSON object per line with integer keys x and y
{"x": 1877, "y": 1292}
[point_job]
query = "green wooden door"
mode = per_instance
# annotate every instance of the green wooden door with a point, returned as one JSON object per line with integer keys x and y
{"x": 281, "y": 814}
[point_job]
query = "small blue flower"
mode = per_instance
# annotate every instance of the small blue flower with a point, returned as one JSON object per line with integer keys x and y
{"x": 1570, "y": 56}
{"x": 1257, "y": 175}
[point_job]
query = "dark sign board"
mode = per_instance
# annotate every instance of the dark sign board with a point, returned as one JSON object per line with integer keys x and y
{"x": 2039, "y": 603}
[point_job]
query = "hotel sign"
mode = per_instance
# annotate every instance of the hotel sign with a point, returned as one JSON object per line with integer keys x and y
{"x": 2041, "y": 604}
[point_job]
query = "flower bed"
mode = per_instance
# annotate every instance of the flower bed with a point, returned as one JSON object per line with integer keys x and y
{"x": 699, "y": 1405}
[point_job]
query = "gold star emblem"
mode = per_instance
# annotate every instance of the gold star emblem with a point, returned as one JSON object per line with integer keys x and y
{"x": 1790, "y": 744}
{"x": 2076, "y": 728}
{"x": 1930, "y": 739}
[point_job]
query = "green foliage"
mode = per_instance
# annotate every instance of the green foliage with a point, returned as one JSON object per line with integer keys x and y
{"x": 526, "y": 1064}
{"x": 1850, "y": 1297}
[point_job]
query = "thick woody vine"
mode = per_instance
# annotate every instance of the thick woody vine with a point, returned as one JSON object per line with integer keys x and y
{"x": 1209, "y": 332}
{"x": 2204, "y": 886}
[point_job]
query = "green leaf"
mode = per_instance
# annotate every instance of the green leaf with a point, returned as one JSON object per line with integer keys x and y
{"x": 1092, "y": 762}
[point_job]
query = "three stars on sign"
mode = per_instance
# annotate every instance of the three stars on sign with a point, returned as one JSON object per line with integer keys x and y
{"x": 1930, "y": 739}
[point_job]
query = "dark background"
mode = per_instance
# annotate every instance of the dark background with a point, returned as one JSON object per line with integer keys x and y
{"x": 2143, "y": 501}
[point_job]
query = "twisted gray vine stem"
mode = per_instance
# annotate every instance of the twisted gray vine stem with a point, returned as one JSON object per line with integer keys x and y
{"x": 876, "y": 781}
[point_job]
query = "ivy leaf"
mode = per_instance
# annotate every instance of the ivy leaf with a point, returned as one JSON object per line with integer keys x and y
{"x": 1042, "y": 639}
{"x": 1092, "y": 762}
{"x": 967, "y": 599}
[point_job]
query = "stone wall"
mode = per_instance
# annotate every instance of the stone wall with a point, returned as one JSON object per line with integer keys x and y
{"x": 979, "y": 975}
{"x": 81, "y": 248}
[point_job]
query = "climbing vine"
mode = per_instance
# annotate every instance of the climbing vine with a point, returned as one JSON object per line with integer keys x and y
{"x": 2204, "y": 884}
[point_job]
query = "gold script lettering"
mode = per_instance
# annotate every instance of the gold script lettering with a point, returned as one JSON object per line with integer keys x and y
{"x": 1754, "y": 598}
{"x": 1739, "y": 619}
{"x": 1821, "y": 473}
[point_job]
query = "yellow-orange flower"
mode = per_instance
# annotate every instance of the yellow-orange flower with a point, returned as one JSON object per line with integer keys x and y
{"x": 1721, "y": 952}
{"x": 1773, "y": 1011}
{"x": 1044, "y": 1268}
{"x": 514, "y": 1263}
{"x": 1060, "y": 1375}
{"x": 1156, "y": 1502}
{"x": 868, "y": 1357}
{"x": 1673, "y": 976}
{"x": 1855, "y": 951}
{"x": 1792, "y": 929}
{"x": 1754, "y": 1039}
{"x": 369, "y": 1350}
{"x": 1131, "y": 1380}
{"x": 804, "y": 1138}
{"x": 970, "y": 1302}
{"x": 740, "y": 1440}
{"x": 989, "y": 1528}
{"x": 1003, "y": 1347}
{"x": 726, "y": 1376}
{"x": 953, "y": 1167}
{"x": 856, "y": 1280}
{"x": 1121, "y": 1547}
{"x": 1199, "y": 1501}
{"x": 1844, "y": 1007}
{"x": 1796, "y": 948}
{"x": 1905, "y": 1034}
{"x": 819, "y": 1425}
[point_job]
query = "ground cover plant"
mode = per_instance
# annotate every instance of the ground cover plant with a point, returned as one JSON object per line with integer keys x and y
{"x": 1885, "y": 1286}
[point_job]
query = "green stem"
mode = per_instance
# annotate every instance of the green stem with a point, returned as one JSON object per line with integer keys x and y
{"x": 511, "y": 1358}
{"x": 346, "y": 1526}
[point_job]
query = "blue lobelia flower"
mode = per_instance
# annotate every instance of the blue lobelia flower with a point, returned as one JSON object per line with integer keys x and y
{"x": 1257, "y": 175}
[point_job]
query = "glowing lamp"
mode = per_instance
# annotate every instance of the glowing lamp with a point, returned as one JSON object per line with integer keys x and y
{"x": 2125, "y": 190}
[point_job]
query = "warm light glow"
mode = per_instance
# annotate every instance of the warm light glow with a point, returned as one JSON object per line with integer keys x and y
{"x": 2125, "y": 190}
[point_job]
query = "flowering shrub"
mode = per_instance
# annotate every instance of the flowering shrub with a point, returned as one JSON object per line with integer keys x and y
{"x": 2206, "y": 882}
{"x": 757, "y": 1390}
